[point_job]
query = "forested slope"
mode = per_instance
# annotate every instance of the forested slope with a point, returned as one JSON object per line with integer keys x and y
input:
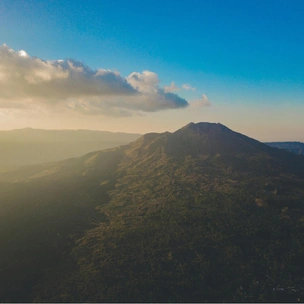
{"x": 201, "y": 214}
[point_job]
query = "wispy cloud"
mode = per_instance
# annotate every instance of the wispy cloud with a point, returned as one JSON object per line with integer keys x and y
{"x": 27, "y": 82}
{"x": 203, "y": 101}
{"x": 171, "y": 88}
{"x": 188, "y": 87}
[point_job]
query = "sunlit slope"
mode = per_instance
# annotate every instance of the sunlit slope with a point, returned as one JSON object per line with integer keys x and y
{"x": 187, "y": 216}
{"x": 89, "y": 164}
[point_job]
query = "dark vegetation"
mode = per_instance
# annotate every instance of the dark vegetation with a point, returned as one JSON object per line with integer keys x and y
{"x": 202, "y": 214}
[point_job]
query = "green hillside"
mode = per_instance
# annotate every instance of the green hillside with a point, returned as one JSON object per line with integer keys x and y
{"x": 201, "y": 214}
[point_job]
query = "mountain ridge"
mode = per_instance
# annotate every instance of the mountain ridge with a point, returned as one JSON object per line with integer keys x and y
{"x": 193, "y": 140}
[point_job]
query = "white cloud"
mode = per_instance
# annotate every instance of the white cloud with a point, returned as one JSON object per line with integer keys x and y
{"x": 145, "y": 82}
{"x": 188, "y": 87}
{"x": 23, "y": 53}
{"x": 152, "y": 96}
{"x": 28, "y": 82}
{"x": 200, "y": 102}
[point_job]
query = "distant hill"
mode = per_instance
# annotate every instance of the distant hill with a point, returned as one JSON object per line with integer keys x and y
{"x": 31, "y": 146}
{"x": 291, "y": 146}
{"x": 203, "y": 214}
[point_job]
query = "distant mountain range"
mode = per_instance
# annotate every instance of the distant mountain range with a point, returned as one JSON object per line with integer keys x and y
{"x": 31, "y": 146}
{"x": 292, "y": 146}
{"x": 203, "y": 214}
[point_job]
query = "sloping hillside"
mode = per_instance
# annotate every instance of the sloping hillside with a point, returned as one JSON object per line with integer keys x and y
{"x": 201, "y": 214}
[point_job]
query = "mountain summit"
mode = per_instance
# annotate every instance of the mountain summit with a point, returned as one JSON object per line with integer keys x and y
{"x": 212, "y": 138}
{"x": 200, "y": 139}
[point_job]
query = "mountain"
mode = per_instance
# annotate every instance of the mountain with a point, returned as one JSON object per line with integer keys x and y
{"x": 204, "y": 144}
{"x": 32, "y": 146}
{"x": 200, "y": 214}
{"x": 291, "y": 146}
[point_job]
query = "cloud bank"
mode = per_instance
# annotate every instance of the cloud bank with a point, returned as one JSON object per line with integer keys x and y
{"x": 29, "y": 82}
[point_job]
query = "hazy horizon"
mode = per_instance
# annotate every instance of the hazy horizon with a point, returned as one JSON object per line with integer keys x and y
{"x": 54, "y": 129}
{"x": 142, "y": 133}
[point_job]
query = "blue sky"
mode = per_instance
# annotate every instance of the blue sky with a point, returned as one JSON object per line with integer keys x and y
{"x": 245, "y": 57}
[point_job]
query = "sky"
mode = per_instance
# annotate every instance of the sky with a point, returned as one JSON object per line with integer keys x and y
{"x": 153, "y": 66}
